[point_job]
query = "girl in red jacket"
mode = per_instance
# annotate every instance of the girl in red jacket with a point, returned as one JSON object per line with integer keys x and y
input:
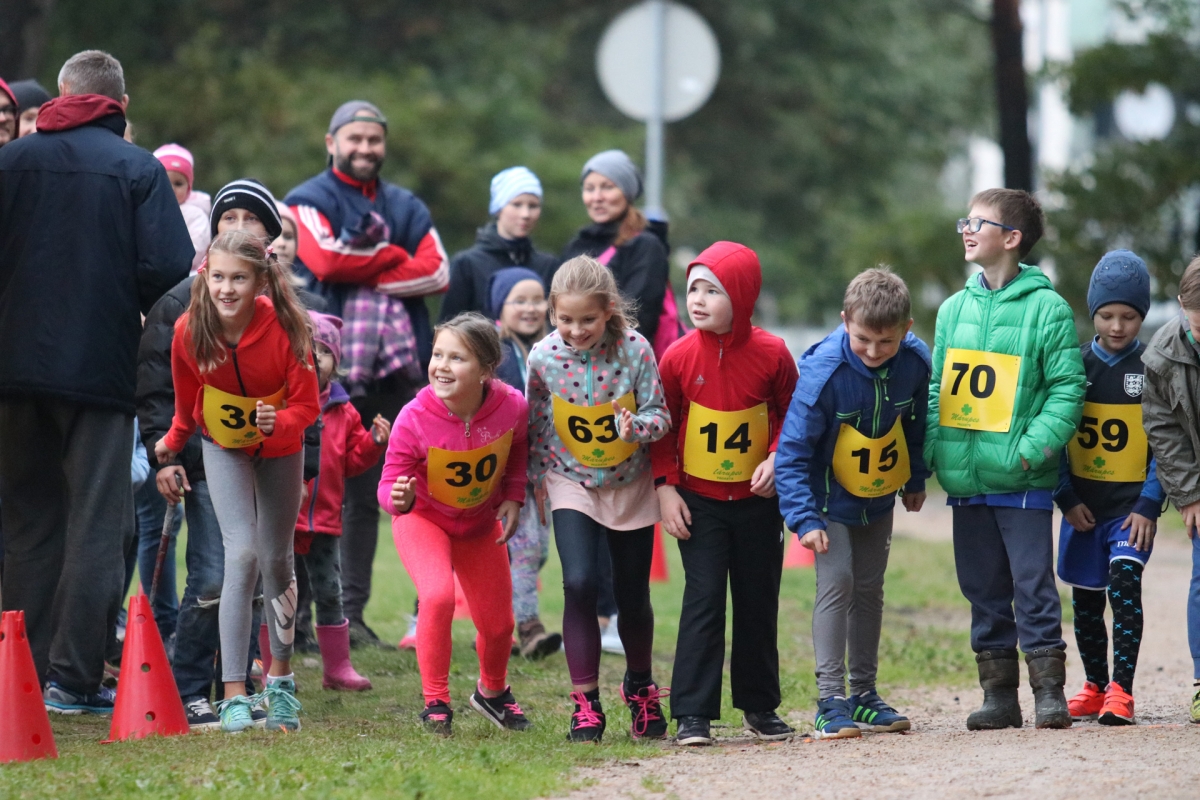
{"x": 242, "y": 367}
{"x": 728, "y": 385}
{"x": 347, "y": 450}
{"x": 455, "y": 466}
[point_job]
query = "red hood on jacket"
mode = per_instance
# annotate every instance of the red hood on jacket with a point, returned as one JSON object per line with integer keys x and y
{"x": 76, "y": 110}
{"x": 736, "y": 267}
{"x": 8, "y": 92}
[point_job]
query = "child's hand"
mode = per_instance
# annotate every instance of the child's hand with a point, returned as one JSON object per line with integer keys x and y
{"x": 676, "y": 516}
{"x": 762, "y": 482}
{"x": 1191, "y": 518}
{"x": 817, "y": 541}
{"x": 1081, "y": 518}
{"x": 1141, "y": 531}
{"x": 381, "y": 429}
{"x": 539, "y": 496}
{"x": 913, "y": 501}
{"x": 169, "y": 480}
{"x": 264, "y": 416}
{"x": 1024, "y": 464}
{"x": 404, "y": 491}
{"x": 161, "y": 454}
{"x": 510, "y": 512}
{"x": 624, "y": 422}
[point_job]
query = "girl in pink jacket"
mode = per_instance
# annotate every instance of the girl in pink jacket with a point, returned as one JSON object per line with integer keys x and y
{"x": 455, "y": 467}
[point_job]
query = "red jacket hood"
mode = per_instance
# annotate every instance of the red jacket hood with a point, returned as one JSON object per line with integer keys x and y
{"x": 4, "y": 88}
{"x": 76, "y": 110}
{"x": 736, "y": 267}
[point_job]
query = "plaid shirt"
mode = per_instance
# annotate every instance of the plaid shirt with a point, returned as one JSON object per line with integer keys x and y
{"x": 377, "y": 339}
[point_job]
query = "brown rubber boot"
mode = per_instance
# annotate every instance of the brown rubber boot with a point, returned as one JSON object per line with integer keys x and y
{"x": 1047, "y": 676}
{"x": 999, "y": 675}
{"x": 535, "y": 641}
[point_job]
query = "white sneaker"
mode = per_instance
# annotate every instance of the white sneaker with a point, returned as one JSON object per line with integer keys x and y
{"x": 409, "y": 642}
{"x": 610, "y": 640}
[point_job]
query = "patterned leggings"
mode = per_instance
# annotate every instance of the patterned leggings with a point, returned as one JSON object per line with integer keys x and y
{"x": 527, "y": 552}
{"x": 1091, "y": 634}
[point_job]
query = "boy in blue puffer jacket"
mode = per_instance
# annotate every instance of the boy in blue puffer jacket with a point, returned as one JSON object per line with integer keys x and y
{"x": 852, "y": 439}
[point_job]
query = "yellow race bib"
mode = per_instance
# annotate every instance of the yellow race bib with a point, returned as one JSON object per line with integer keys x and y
{"x": 467, "y": 478}
{"x": 871, "y": 467}
{"x": 232, "y": 420}
{"x": 1111, "y": 444}
{"x": 979, "y": 390}
{"x": 590, "y": 432}
{"x": 725, "y": 446}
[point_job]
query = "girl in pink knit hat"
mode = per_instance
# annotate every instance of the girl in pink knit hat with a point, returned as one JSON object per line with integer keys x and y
{"x": 194, "y": 205}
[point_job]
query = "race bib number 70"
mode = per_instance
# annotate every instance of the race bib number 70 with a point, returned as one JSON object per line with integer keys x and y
{"x": 979, "y": 390}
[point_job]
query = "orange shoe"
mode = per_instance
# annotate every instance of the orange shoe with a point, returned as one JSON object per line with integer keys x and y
{"x": 1118, "y": 706}
{"x": 1089, "y": 701}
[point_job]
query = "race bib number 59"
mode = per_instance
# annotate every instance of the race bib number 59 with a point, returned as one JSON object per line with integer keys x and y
{"x": 979, "y": 390}
{"x": 1111, "y": 444}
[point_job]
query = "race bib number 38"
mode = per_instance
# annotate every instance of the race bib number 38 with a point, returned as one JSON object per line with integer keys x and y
{"x": 590, "y": 432}
{"x": 979, "y": 390}
{"x": 1110, "y": 445}
{"x": 725, "y": 446}
{"x": 868, "y": 467}
{"x": 232, "y": 420}
{"x": 467, "y": 478}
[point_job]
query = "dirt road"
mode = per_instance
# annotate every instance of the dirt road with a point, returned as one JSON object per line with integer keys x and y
{"x": 1160, "y": 757}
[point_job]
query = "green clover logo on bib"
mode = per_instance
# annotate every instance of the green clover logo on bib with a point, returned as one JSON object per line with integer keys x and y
{"x": 727, "y": 464}
{"x": 1098, "y": 461}
{"x": 967, "y": 409}
{"x": 598, "y": 453}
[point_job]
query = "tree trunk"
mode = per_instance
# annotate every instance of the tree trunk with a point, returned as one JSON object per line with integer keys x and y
{"x": 23, "y": 26}
{"x": 1012, "y": 100}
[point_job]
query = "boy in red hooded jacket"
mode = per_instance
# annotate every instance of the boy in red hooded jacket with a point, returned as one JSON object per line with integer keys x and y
{"x": 728, "y": 384}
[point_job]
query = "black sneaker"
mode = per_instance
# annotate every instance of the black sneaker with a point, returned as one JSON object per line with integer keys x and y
{"x": 693, "y": 732}
{"x": 362, "y": 636}
{"x": 587, "y": 723}
{"x": 258, "y": 711}
{"x": 645, "y": 706}
{"x": 200, "y": 715}
{"x": 437, "y": 718}
{"x": 767, "y": 725}
{"x": 502, "y": 711}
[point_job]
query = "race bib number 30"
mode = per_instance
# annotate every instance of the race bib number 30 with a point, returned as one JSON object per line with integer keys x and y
{"x": 590, "y": 432}
{"x": 467, "y": 478}
{"x": 232, "y": 420}
{"x": 1110, "y": 445}
{"x": 979, "y": 390}
{"x": 725, "y": 446}
{"x": 871, "y": 467}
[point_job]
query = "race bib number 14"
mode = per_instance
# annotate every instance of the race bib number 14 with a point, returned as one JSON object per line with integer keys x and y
{"x": 979, "y": 390}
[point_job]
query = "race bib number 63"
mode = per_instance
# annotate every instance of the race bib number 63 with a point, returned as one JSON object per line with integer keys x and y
{"x": 979, "y": 390}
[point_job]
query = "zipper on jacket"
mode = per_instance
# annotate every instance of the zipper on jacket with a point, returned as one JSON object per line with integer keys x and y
{"x": 237, "y": 370}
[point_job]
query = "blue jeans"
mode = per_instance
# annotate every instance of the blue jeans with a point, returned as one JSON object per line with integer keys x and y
{"x": 1193, "y": 609}
{"x": 151, "y": 509}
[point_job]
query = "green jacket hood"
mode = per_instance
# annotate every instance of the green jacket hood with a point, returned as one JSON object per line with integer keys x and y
{"x": 1028, "y": 280}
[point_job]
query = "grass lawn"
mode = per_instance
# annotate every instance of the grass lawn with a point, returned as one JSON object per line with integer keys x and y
{"x": 371, "y": 745}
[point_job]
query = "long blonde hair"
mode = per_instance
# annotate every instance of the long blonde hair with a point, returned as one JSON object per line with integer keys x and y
{"x": 584, "y": 275}
{"x": 204, "y": 325}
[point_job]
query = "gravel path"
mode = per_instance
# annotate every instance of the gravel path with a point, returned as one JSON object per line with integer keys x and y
{"x": 1160, "y": 757}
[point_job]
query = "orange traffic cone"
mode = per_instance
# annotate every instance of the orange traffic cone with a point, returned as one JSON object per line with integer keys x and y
{"x": 24, "y": 725}
{"x": 658, "y": 561}
{"x": 797, "y": 556}
{"x": 147, "y": 698}
{"x": 461, "y": 609}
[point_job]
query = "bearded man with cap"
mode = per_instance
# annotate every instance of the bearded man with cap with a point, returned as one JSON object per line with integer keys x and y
{"x": 374, "y": 249}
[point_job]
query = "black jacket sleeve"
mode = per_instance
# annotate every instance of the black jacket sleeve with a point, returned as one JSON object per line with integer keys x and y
{"x": 641, "y": 269}
{"x": 460, "y": 295}
{"x": 312, "y": 449}
{"x": 164, "y": 246}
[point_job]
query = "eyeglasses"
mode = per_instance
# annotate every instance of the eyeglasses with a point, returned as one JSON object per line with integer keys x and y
{"x": 8, "y": 111}
{"x": 542, "y": 304}
{"x": 974, "y": 224}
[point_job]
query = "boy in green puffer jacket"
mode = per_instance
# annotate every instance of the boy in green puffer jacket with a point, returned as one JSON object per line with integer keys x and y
{"x": 1005, "y": 396}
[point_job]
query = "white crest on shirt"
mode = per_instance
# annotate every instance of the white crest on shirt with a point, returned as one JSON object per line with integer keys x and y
{"x": 1133, "y": 384}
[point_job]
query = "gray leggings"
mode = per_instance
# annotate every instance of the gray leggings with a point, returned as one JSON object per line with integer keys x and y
{"x": 256, "y": 501}
{"x": 848, "y": 613}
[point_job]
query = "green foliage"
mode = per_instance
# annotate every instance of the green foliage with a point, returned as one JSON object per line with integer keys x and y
{"x": 820, "y": 147}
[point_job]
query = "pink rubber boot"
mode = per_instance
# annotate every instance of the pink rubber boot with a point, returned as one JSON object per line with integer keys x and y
{"x": 264, "y": 651}
{"x": 334, "y": 641}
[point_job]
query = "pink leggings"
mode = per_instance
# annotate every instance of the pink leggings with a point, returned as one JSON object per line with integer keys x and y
{"x": 432, "y": 559}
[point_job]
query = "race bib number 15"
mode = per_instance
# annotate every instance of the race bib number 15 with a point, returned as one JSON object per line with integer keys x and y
{"x": 979, "y": 390}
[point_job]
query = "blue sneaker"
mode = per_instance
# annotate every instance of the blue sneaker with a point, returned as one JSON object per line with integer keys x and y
{"x": 235, "y": 714}
{"x": 282, "y": 706}
{"x": 833, "y": 720}
{"x": 63, "y": 701}
{"x": 870, "y": 713}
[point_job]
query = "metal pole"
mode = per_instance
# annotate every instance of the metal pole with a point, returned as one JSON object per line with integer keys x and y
{"x": 655, "y": 155}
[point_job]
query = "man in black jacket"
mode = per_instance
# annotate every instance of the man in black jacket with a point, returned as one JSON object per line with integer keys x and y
{"x": 90, "y": 238}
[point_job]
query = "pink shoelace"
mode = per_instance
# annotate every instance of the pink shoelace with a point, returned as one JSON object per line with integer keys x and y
{"x": 585, "y": 717}
{"x": 514, "y": 708}
{"x": 649, "y": 706}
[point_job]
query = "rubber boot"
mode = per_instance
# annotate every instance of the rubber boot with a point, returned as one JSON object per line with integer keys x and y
{"x": 1047, "y": 676}
{"x": 264, "y": 650}
{"x": 535, "y": 641}
{"x": 335, "y": 659}
{"x": 999, "y": 675}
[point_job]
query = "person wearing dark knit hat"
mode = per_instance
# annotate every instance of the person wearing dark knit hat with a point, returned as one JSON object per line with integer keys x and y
{"x": 8, "y": 114}
{"x": 1120, "y": 277}
{"x": 30, "y": 97}
{"x": 246, "y": 204}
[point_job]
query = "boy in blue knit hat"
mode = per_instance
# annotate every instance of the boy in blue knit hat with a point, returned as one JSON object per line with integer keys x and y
{"x": 1109, "y": 492}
